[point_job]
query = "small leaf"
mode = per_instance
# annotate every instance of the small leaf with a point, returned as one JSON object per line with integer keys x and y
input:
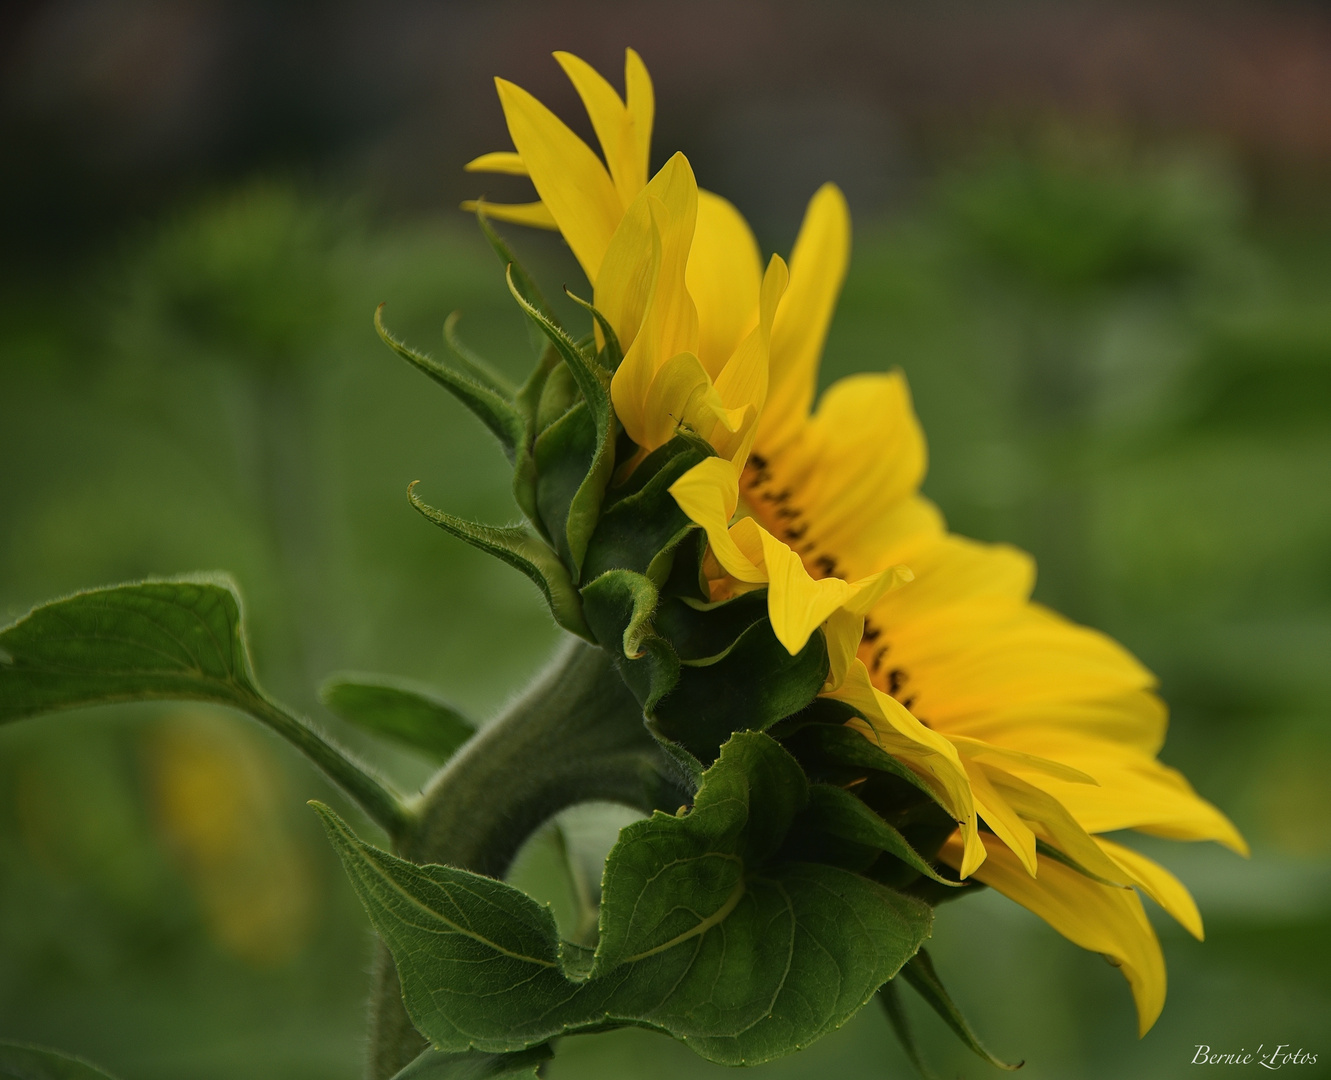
{"x": 474, "y": 1065}
{"x": 611, "y": 353}
{"x": 494, "y": 411}
{"x": 474, "y": 365}
{"x": 21, "y": 1062}
{"x": 176, "y": 640}
{"x": 840, "y": 813}
{"x": 411, "y": 717}
{"x": 890, "y": 998}
{"x": 516, "y": 546}
{"x": 594, "y": 383}
{"x": 920, "y": 973}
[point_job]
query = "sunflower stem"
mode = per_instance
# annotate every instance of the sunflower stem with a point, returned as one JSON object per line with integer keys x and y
{"x": 575, "y": 735}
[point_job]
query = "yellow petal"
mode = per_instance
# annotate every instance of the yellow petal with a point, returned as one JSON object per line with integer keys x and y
{"x": 817, "y": 270}
{"x": 888, "y": 724}
{"x": 1051, "y": 820}
{"x": 843, "y": 631}
{"x": 724, "y": 276}
{"x": 535, "y": 214}
{"x": 641, "y": 104}
{"x": 568, "y": 176}
{"x": 626, "y": 281}
{"x": 743, "y": 381}
{"x": 1005, "y": 822}
{"x": 1097, "y": 917}
{"x": 708, "y": 493}
{"x": 979, "y": 748}
{"x": 1157, "y": 883}
{"x": 501, "y": 161}
{"x": 680, "y": 396}
{"x": 610, "y": 119}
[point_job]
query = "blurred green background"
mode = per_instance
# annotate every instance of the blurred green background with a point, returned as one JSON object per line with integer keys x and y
{"x": 1102, "y": 258}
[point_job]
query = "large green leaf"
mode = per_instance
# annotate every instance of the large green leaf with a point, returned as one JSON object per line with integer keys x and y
{"x": 21, "y": 1062}
{"x": 702, "y": 934}
{"x": 406, "y": 715}
{"x": 160, "y": 640}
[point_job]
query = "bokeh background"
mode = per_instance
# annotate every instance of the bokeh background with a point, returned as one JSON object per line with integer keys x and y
{"x": 1096, "y": 236}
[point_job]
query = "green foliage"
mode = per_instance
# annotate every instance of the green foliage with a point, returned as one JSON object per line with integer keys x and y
{"x": 583, "y": 507}
{"x": 480, "y": 394}
{"x": 411, "y": 717}
{"x": 20, "y": 1062}
{"x": 515, "y": 545}
{"x": 160, "y": 640}
{"x": 703, "y": 933}
{"x": 920, "y": 973}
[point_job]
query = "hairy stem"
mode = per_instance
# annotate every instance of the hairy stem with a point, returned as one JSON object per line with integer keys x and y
{"x": 576, "y": 735}
{"x": 370, "y": 792}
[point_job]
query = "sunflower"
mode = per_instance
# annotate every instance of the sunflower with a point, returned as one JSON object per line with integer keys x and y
{"x": 1039, "y": 736}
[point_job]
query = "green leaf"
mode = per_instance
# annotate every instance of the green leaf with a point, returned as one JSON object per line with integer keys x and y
{"x": 525, "y": 283}
{"x": 516, "y": 546}
{"x": 749, "y": 687}
{"x": 493, "y": 410}
{"x": 841, "y": 814}
{"x": 473, "y": 364}
{"x": 890, "y": 998}
{"x": 22, "y": 1062}
{"x": 701, "y": 934}
{"x": 849, "y": 747}
{"x": 612, "y": 355}
{"x": 412, "y": 717}
{"x": 920, "y": 973}
{"x": 474, "y": 1065}
{"x": 528, "y": 403}
{"x": 594, "y": 382}
{"x": 161, "y": 640}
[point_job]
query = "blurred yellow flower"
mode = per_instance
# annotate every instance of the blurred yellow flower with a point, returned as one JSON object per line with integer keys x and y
{"x": 1038, "y": 735}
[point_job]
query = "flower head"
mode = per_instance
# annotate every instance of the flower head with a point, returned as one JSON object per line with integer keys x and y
{"x": 1036, "y": 735}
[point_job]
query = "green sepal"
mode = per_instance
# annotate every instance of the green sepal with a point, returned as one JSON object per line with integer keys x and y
{"x": 495, "y": 411}
{"x": 558, "y": 395}
{"x": 474, "y": 1065}
{"x": 594, "y": 383}
{"x": 472, "y": 363}
{"x": 702, "y": 937}
{"x": 515, "y": 545}
{"x": 531, "y": 292}
{"x": 619, "y": 606}
{"x": 890, "y": 999}
{"x": 178, "y": 640}
{"x": 528, "y": 403}
{"x": 564, "y": 454}
{"x": 920, "y": 973}
{"x": 19, "y": 1061}
{"x": 839, "y": 813}
{"x": 847, "y": 746}
{"x": 611, "y": 354}
{"x": 640, "y": 524}
{"x": 750, "y": 686}
{"x": 411, "y": 717}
